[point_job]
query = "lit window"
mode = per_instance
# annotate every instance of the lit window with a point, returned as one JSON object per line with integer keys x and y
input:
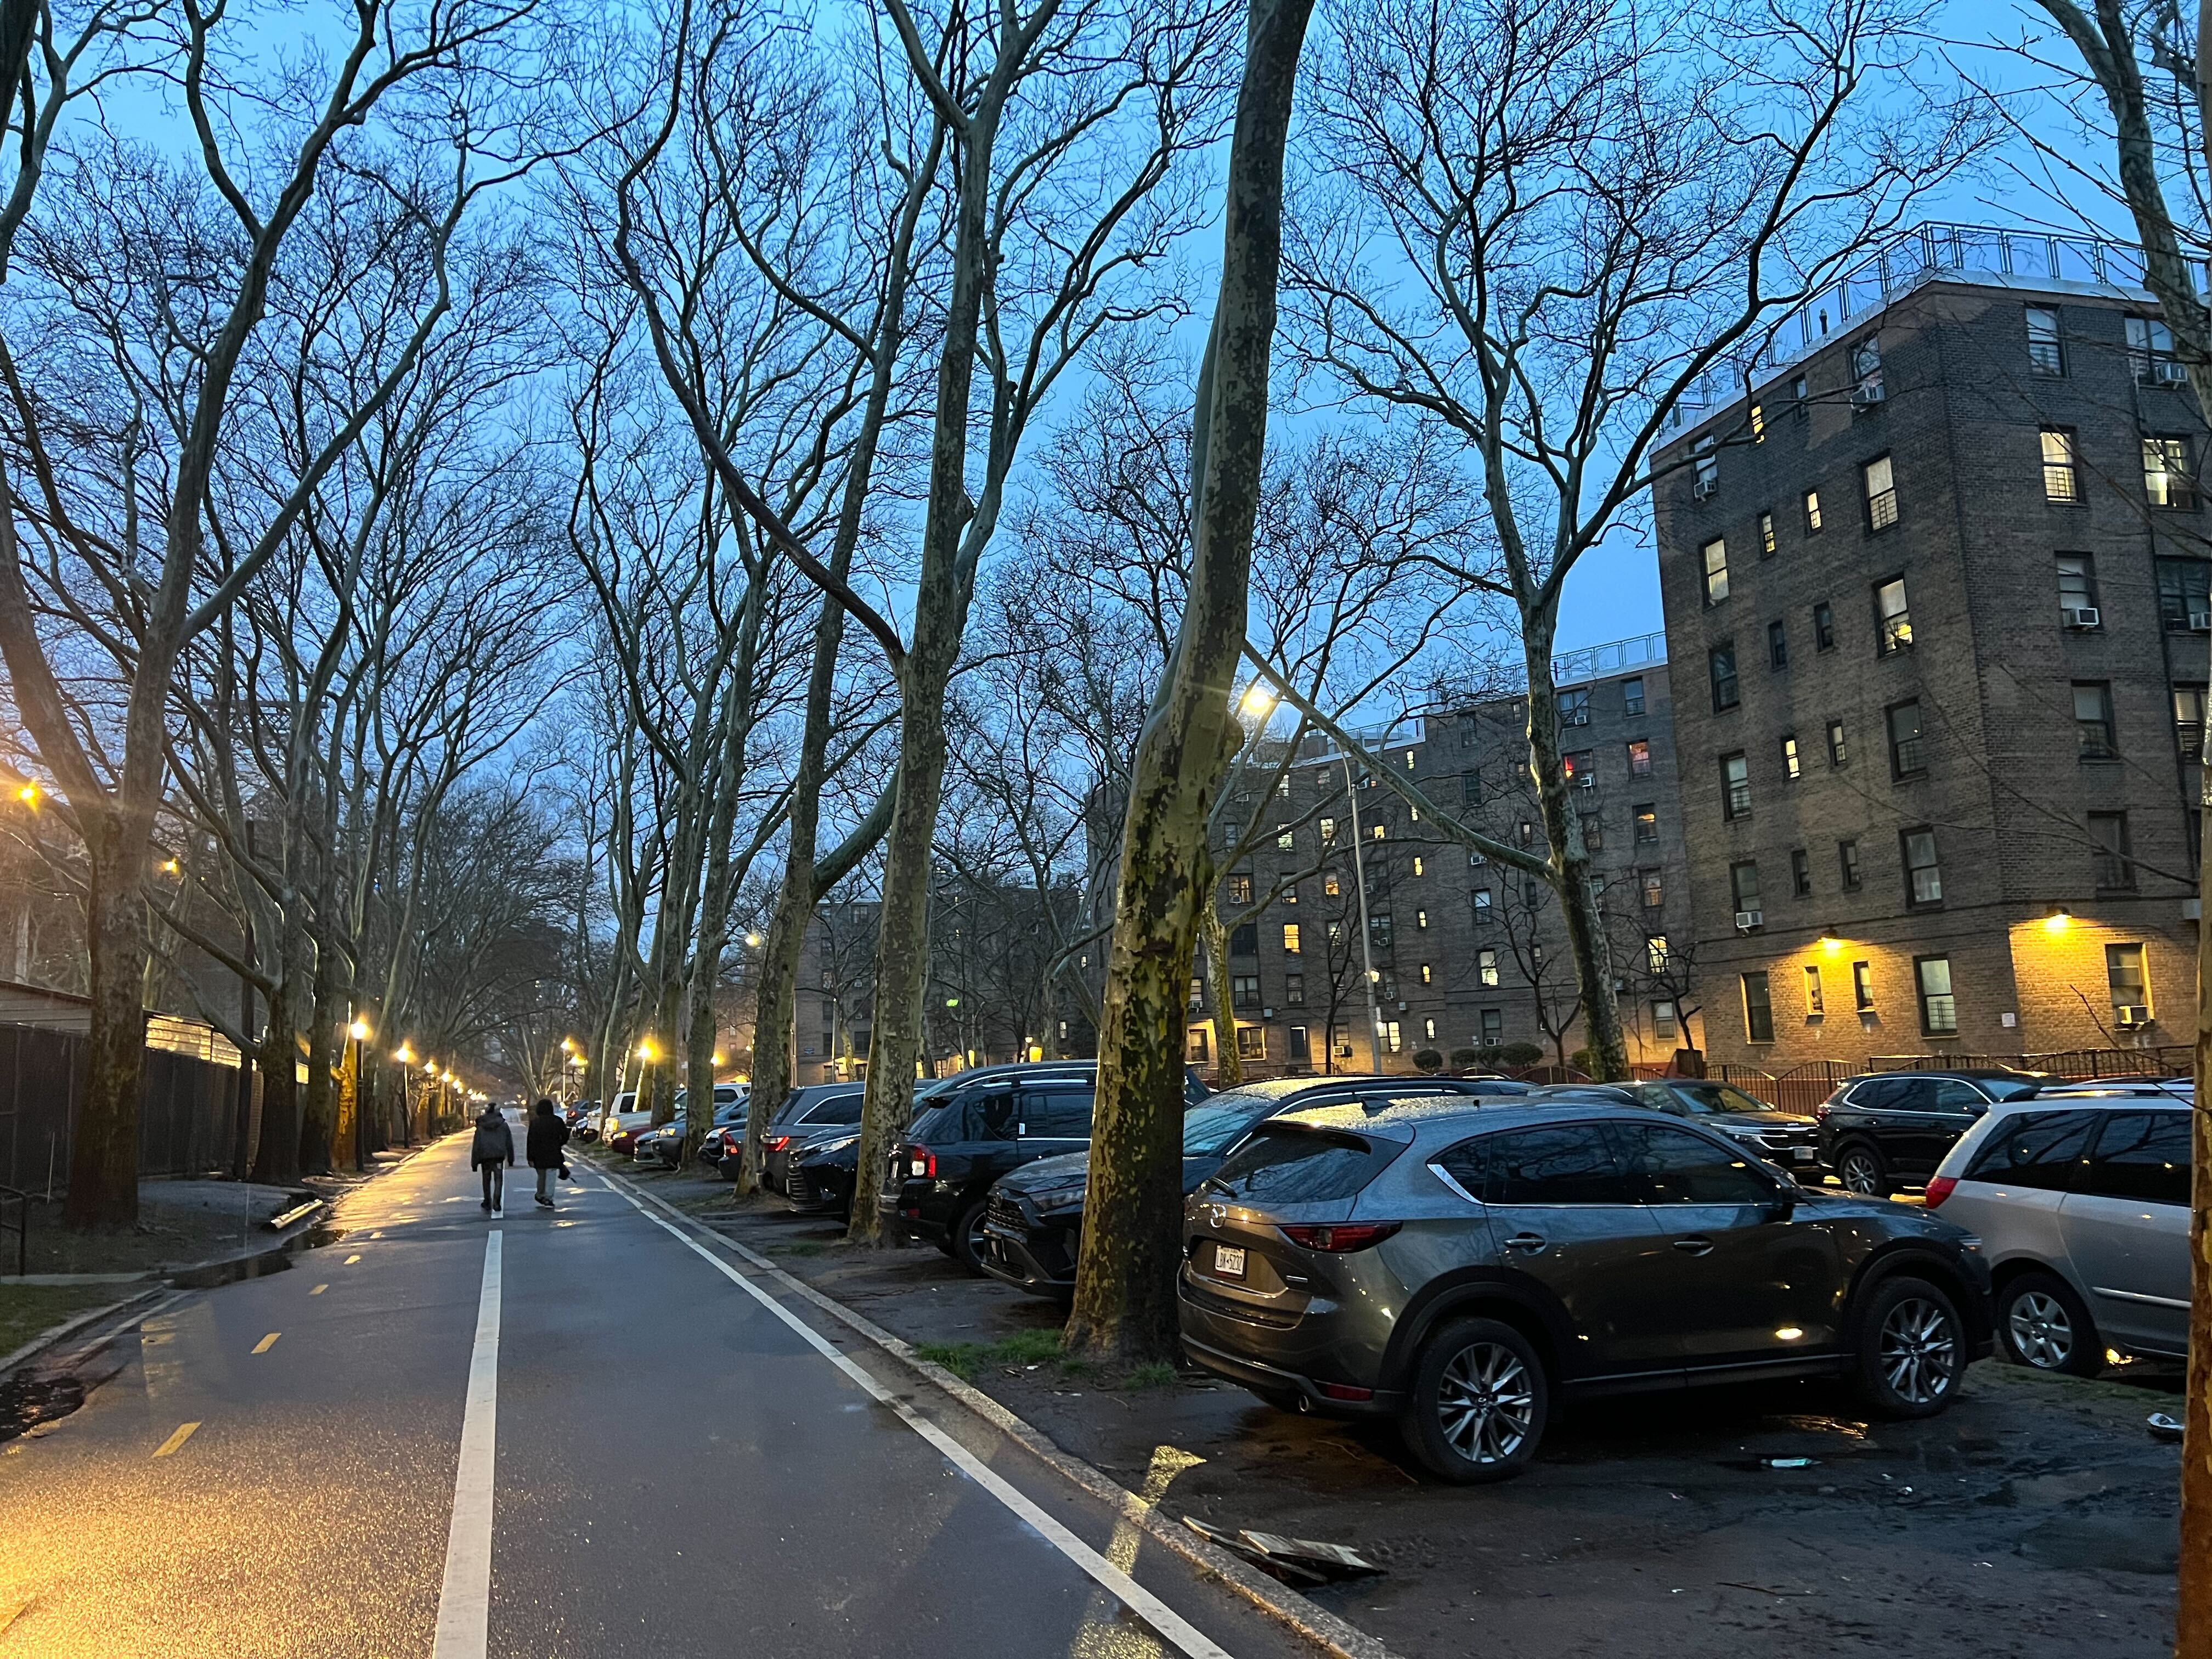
{"x": 1427, "y": 976}
{"x": 1791, "y": 768}
{"x": 1812, "y": 511}
{"x": 2123, "y": 973}
{"x": 1416, "y": 864}
{"x": 2168, "y": 479}
{"x": 1639, "y": 759}
{"x": 2062, "y": 479}
{"x": 1485, "y": 967}
{"x": 1766, "y": 535}
{"x": 1655, "y": 954}
{"x": 1717, "y": 571}
{"x": 1647, "y": 823}
{"x": 1814, "y": 1007}
{"x": 1283, "y": 842}
{"x": 1892, "y": 616}
{"x": 1880, "y": 494}
{"x": 1290, "y": 938}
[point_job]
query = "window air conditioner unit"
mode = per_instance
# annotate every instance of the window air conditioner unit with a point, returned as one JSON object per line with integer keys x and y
{"x": 2169, "y": 370}
{"x": 2199, "y": 620}
{"x": 1866, "y": 397}
{"x": 2127, "y": 1019}
{"x": 1574, "y": 717}
{"x": 1704, "y": 487}
{"x": 1401, "y": 1006}
{"x": 2080, "y": 616}
{"x": 1587, "y": 780}
{"x": 1747, "y": 919}
{"x": 1267, "y": 1013}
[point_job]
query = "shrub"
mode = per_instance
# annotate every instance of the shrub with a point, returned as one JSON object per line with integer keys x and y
{"x": 1427, "y": 1061}
{"x": 1520, "y": 1053}
{"x": 1461, "y": 1058}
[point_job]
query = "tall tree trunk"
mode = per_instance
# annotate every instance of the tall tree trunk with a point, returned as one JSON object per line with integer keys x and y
{"x": 1228, "y": 1064}
{"x": 1125, "y": 1296}
{"x": 318, "y": 1110}
{"x": 276, "y": 1154}
{"x": 103, "y": 1186}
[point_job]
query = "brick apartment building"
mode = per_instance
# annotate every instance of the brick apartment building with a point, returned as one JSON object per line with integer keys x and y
{"x": 1465, "y": 953}
{"x": 1937, "y": 597}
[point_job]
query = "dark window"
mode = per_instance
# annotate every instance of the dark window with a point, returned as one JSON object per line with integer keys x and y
{"x": 1574, "y": 707}
{"x": 1736, "y": 785}
{"x": 1863, "y": 985}
{"x": 1674, "y": 1166}
{"x": 1244, "y": 939}
{"x": 2062, "y": 476}
{"x": 1470, "y": 788}
{"x": 1593, "y": 832}
{"x": 1800, "y": 873}
{"x": 1880, "y": 494}
{"x": 1866, "y": 375}
{"x": 1847, "y": 860}
{"x": 2093, "y": 718}
{"x": 1758, "y": 1009}
{"x": 1743, "y": 882}
{"x": 2141, "y": 1156}
{"x": 2169, "y": 473}
{"x": 2077, "y": 591}
{"x": 1057, "y": 1114}
{"x": 991, "y": 1115}
{"x": 1938, "y": 1009}
{"x": 1840, "y": 752}
{"x": 1378, "y": 930}
{"x": 2047, "y": 346}
{"x": 1301, "y": 1050}
{"x": 1722, "y": 662}
{"x": 1923, "y": 876}
{"x": 1892, "y": 616}
{"x": 840, "y": 1108}
{"x": 1238, "y": 889}
{"x": 2150, "y": 353}
{"x": 1569, "y": 1163}
{"x": 1906, "y": 754}
{"x": 1244, "y": 991}
{"x": 1281, "y": 1164}
{"x": 1777, "y": 646}
{"x": 1294, "y": 990}
{"x": 1801, "y": 398}
{"x": 2184, "y": 595}
{"x": 1632, "y": 696}
{"x": 2108, "y": 835}
{"x": 2037, "y": 1150}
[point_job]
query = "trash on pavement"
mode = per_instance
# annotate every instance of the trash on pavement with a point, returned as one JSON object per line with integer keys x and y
{"x": 2163, "y": 1427}
{"x": 1298, "y": 1562}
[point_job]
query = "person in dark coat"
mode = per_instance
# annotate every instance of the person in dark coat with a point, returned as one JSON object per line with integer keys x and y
{"x": 549, "y": 1133}
{"x": 492, "y": 1151}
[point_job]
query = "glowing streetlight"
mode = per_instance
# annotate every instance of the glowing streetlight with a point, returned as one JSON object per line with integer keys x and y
{"x": 170, "y": 866}
{"x": 646, "y": 1051}
{"x": 359, "y": 1030}
{"x": 2058, "y": 920}
{"x": 28, "y": 794}
{"x": 753, "y": 940}
{"x": 404, "y": 1054}
{"x": 1259, "y": 701}
{"x": 718, "y": 1057}
{"x": 1829, "y": 942}
{"x": 567, "y": 1045}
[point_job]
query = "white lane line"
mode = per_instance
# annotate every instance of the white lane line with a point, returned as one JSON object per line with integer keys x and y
{"x": 1164, "y": 1618}
{"x": 464, "y": 1599}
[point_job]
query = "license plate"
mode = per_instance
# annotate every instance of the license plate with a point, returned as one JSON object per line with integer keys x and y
{"x": 1228, "y": 1261}
{"x": 1802, "y": 1154}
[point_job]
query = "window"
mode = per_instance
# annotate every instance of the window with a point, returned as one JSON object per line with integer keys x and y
{"x": 1388, "y": 1031}
{"x": 1429, "y": 1030}
{"x": 1420, "y": 918}
{"x": 1736, "y": 785}
{"x": 1378, "y": 929}
{"x": 1824, "y": 627}
{"x": 1198, "y": 1052}
{"x": 1938, "y": 1009}
{"x": 2062, "y": 473}
{"x": 2169, "y": 479}
{"x": 1289, "y": 892}
{"x": 1840, "y": 749}
{"x": 1800, "y": 873}
{"x": 1301, "y": 1047}
{"x": 1801, "y": 398}
{"x": 1656, "y": 954}
{"x": 1647, "y": 815}
{"x": 2093, "y": 718}
{"x": 1777, "y": 646}
{"x": 1479, "y": 898}
{"x": 1758, "y": 424}
{"x": 1328, "y": 832}
{"x": 1238, "y": 889}
{"x": 2189, "y": 723}
{"x": 2108, "y": 837}
{"x": 1892, "y": 616}
{"x": 2123, "y": 973}
{"x": 1375, "y": 832}
{"x": 1244, "y": 939}
{"x": 2077, "y": 591}
{"x": 1419, "y": 868}
{"x": 1715, "y": 557}
{"x": 1485, "y": 966}
{"x": 1814, "y": 1008}
{"x": 1290, "y": 938}
{"x": 1336, "y": 930}
{"x": 1470, "y": 788}
{"x": 1593, "y": 832}
{"x": 1331, "y": 885}
{"x": 1792, "y": 767}
{"x": 2184, "y": 595}
{"x": 1252, "y": 1042}
{"x": 1468, "y": 734}
{"x": 1757, "y": 1011}
{"x": 1866, "y": 375}
{"x": 2038, "y": 1151}
{"x": 1707, "y": 462}
{"x": 2046, "y": 347}
{"x": 1743, "y": 882}
{"x": 1720, "y": 661}
{"x": 1923, "y": 876}
{"x": 2150, "y": 353}
{"x": 1677, "y": 1167}
{"x": 1907, "y": 755}
{"x": 1880, "y": 494}
{"x": 1847, "y": 863}
{"x": 1654, "y": 886}
{"x": 1283, "y": 785}
{"x": 1245, "y": 990}
{"x": 1574, "y": 707}
{"x": 1580, "y": 766}
{"x": 1283, "y": 840}
{"x": 1197, "y": 993}
{"x": 1631, "y": 697}
{"x": 1294, "y": 990}
{"x": 1639, "y": 759}
{"x": 2142, "y": 1158}
{"x": 1766, "y": 535}
{"x": 1812, "y": 511}
{"x": 1545, "y": 1167}
{"x": 1428, "y": 974}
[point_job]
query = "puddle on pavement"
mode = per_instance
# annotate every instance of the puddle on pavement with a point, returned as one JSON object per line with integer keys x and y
{"x": 27, "y": 1402}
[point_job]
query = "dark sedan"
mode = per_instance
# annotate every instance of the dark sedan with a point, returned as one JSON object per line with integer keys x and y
{"x": 1891, "y": 1129}
{"x": 1033, "y": 1220}
{"x": 1789, "y": 1139}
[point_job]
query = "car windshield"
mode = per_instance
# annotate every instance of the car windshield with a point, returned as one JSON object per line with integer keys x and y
{"x": 1209, "y": 1128}
{"x": 1703, "y": 1098}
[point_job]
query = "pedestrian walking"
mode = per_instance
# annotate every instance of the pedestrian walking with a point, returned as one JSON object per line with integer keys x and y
{"x": 549, "y": 1133}
{"x": 492, "y": 1151}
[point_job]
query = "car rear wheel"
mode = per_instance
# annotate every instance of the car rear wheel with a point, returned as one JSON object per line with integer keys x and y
{"x": 2044, "y": 1327}
{"x": 1480, "y": 1403}
{"x": 966, "y": 1240}
{"x": 1911, "y": 1349}
{"x": 1862, "y": 1170}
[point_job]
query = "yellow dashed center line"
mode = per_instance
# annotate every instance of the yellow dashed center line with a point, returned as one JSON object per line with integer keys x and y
{"x": 183, "y": 1433}
{"x": 318, "y": 1290}
{"x": 350, "y": 1260}
{"x": 267, "y": 1342}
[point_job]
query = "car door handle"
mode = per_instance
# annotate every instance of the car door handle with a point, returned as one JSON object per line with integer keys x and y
{"x": 1531, "y": 1243}
{"x": 1696, "y": 1244}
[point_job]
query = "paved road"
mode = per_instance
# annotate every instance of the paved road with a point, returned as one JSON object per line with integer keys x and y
{"x": 565, "y": 1435}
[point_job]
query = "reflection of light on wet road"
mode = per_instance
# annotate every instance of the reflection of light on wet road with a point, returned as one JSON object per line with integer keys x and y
{"x": 1109, "y": 1633}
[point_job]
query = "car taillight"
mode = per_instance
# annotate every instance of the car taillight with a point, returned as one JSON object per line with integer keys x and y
{"x": 1340, "y": 1235}
{"x": 1939, "y": 1189}
{"x": 1343, "y": 1390}
{"x": 921, "y": 1163}
{"x": 777, "y": 1143}
{"x": 1820, "y": 1112}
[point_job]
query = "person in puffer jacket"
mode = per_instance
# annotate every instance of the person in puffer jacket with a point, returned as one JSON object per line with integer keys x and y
{"x": 492, "y": 1151}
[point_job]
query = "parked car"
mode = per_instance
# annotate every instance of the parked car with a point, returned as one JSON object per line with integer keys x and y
{"x": 622, "y": 1104}
{"x": 804, "y": 1115}
{"x": 818, "y": 1173}
{"x": 2080, "y": 1196}
{"x": 622, "y": 1128}
{"x": 1033, "y": 1217}
{"x": 1789, "y": 1139}
{"x": 1462, "y": 1268}
{"x": 1891, "y": 1128}
{"x": 583, "y": 1117}
{"x": 979, "y": 1126}
{"x": 665, "y": 1143}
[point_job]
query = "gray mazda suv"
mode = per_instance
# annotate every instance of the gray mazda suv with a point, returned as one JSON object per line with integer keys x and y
{"x": 1460, "y": 1267}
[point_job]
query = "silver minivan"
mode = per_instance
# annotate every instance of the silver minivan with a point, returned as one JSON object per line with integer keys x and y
{"x": 2080, "y": 1195}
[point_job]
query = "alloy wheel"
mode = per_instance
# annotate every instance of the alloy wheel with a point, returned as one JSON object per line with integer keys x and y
{"x": 1485, "y": 1403}
{"x": 1860, "y": 1173}
{"x": 2041, "y": 1333}
{"x": 1919, "y": 1350}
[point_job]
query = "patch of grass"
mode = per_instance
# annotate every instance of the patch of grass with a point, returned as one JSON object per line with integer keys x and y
{"x": 965, "y": 1359}
{"x": 1153, "y": 1374}
{"x": 1028, "y": 1348}
{"x": 28, "y": 1309}
{"x": 960, "y": 1358}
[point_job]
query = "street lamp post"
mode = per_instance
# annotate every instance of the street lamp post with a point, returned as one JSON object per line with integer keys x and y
{"x": 1366, "y": 953}
{"x": 358, "y": 1033}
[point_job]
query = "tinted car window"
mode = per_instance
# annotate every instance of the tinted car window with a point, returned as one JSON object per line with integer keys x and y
{"x": 1568, "y": 1163}
{"x": 844, "y": 1109}
{"x": 1677, "y": 1167}
{"x": 1282, "y": 1164}
{"x": 1952, "y": 1096}
{"x": 1882, "y": 1092}
{"x": 1210, "y": 1128}
{"x": 2034, "y": 1149}
{"x": 2142, "y": 1155}
{"x": 1706, "y": 1097}
{"x": 1064, "y": 1114}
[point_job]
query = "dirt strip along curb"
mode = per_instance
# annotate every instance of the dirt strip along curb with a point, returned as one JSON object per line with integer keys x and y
{"x": 1316, "y": 1624}
{"x": 69, "y": 1328}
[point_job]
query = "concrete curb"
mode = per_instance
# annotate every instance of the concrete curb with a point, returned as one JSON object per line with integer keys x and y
{"x": 1316, "y": 1624}
{"x": 69, "y": 1328}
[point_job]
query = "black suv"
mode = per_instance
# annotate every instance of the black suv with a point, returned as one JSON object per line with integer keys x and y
{"x": 1785, "y": 1138}
{"x": 1461, "y": 1266}
{"x": 1033, "y": 1219}
{"x": 1891, "y": 1128}
{"x": 980, "y": 1125}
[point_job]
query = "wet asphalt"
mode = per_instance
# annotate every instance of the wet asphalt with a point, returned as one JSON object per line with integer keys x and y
{"x": 676, "y": 1470}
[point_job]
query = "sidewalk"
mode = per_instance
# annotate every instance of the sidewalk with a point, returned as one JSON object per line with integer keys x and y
{"x": 2035, "y": 1518}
